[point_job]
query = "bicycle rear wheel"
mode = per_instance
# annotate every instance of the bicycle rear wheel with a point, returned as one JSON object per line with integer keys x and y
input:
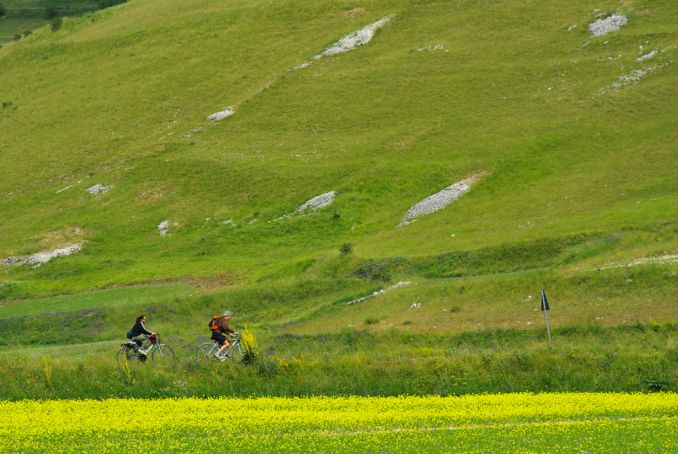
{"x": 207, "y": 351}
{"x": 163, "y": 355}
{"x": 125, "y": 356}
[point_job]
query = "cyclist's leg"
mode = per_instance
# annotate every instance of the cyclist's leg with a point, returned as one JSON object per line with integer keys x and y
{"x": 221, "y": 340}
{"x": 224, "y": 348}
{"x": 145, "y": 341}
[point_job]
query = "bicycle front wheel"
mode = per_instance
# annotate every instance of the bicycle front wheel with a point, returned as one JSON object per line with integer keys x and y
{"x": 163, "y": 355}
{"x": 207, "y": 351}
{"x": 235, "y": 353}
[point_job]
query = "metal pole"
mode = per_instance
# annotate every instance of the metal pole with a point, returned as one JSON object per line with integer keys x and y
{"x": 548, "y": 331}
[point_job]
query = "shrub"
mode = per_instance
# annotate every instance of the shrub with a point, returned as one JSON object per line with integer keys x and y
{"x": 3, "y": 11}
{"x": 27, "y": 33}
{"x": 346, "y": 248}
{"x": 656, "y": 385}
{"x": 371, "y": 320}
{"x": 249, "y": 346}
{"x": 56, "y": 23}
{"x": 17, "y": 36}
{"x": 382, "y": 269}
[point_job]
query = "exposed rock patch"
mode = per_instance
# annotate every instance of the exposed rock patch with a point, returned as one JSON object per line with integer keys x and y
{"x": 227, "y": 112}
{"x": 349, "y": 42}
{"x": 647, "y": 56}
{"x": 632, "y": 78}
{"x": 99, "y": 189}
{"x": 433, "y": 48}
{"x": 165, "y": 226}
{"x": 608, "y": 25}
{"x": 316, "y": 203}
{"x": 439, "y": 200}
{"x": 42, "y": 257}
{"x": 353, "y": 40}
{"x": 188, "y": 134}
{"x": 379, "y": 292}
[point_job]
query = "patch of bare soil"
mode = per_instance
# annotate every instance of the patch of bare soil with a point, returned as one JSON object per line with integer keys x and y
{"x": 354, "y": 12}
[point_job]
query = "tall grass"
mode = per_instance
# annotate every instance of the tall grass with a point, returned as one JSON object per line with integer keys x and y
{"x": 630, "y": 359}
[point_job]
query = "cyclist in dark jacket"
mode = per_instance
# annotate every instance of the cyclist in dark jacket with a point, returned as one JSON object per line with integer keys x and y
{"x": 140, "y": 334}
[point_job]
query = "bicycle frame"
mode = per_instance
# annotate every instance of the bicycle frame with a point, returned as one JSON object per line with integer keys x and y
{"x": 235, "y": 344}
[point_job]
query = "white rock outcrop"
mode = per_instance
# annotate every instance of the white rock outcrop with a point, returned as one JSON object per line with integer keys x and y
{"x": 647, "y": 56}
{"x": 439, "y": 200}
{"x": 99, "y": 189}
{"x": 353, "y": 40}
{"x": 42, "y": 257}
{"x": 608, "y": 25}
{"x": 379, "y": 292}
{"x": 316, "y": 203}
{"x": 632, "y": 78}
{"x": 349, "y": 42}
{"x": 165, "y": 226}
{"x": 216, "y": 116}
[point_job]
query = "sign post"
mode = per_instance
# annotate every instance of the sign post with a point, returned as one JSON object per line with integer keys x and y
{"x": 545, "y": 309}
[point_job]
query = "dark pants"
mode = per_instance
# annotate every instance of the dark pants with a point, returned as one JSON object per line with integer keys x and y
{"x": 220, "y": 338}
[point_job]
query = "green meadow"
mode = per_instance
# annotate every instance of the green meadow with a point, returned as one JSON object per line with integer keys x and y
{"x": 571, "y": 139}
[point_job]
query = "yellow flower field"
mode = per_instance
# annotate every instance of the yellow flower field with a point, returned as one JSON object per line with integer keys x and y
{"x": 482, "y": 423}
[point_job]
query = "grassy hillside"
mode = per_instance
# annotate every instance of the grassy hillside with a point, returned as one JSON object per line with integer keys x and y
{"x": 572, "y": 138}
{"x": 385, "y": 126}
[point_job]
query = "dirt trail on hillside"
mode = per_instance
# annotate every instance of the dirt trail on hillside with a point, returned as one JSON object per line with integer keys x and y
{"x": 658, "y": 260}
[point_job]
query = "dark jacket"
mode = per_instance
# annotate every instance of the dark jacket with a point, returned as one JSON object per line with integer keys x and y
{"x": 137, "y": 329}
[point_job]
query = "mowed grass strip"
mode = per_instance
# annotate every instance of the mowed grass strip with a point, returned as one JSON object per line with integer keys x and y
{"x": 561, "y": 422}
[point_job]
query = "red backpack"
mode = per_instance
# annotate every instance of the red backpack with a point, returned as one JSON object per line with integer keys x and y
{"x": 214, "y": 322}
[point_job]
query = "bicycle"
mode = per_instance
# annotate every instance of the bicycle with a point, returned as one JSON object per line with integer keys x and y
{"x": 208, "y": 350}
{"x": 157, "y": 352}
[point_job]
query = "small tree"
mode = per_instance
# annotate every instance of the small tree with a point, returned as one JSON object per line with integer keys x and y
{"x": 3, "y": 11}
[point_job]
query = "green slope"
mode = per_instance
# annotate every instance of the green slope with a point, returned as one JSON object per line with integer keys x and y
{"x": 446, "y": 90}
